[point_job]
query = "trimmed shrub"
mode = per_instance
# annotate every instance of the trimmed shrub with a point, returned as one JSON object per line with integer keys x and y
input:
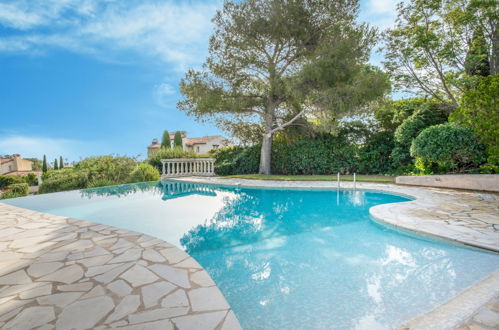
{"x": 165, "y": 140}
{"x": 177, "y": 140}
{"x": 479, "y": 111}
{"x": 65, "y": 179}
{"x": 144, "y": 172}
{"x": 7, "y": 180}
{"x": 16, "y": 190}
{"x": 163, "y": 153}
{"x": 374, "y": 155}
{"x": 451, "y": 147}
{"x": 237, "y": 160}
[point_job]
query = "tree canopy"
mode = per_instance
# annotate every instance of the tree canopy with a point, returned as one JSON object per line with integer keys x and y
{"x": 272, "y": 62}
{"x": 165, "y": 140}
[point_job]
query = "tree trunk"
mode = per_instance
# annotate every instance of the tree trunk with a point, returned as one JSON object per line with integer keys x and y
{"x": 266, "y": 154}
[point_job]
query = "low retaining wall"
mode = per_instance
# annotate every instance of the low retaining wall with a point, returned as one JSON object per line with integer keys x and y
{"x": 485, "y": 182}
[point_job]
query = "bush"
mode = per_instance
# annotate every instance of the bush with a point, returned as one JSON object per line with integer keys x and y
{"x": 144, "y": 172}
{"x": 16, "y": 190}
{"x": 451, "y": 147}
{"x": 374, "y": 155}
{"x": 7, "y": 180}
{"x": 237, "y": 160}
{"x": 113, "y": 169}
{"x": 65, "y": 179}
{"x": 479, "y": 111}
{"x": 430, "y": 113}
{"x": 31, "y": 179}
{"x": 163, "y": 153}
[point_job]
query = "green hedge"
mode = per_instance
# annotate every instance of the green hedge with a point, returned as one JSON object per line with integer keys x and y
{"x": 7, "y": 180}
{"x": 64, "y": 179}
{"x": 16, "y": 190}
{"x": 450, "y": 147}
{"x": 143, "y": 173}
{"x": 165, "y": 153}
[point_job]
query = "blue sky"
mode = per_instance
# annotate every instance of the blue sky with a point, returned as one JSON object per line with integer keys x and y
{"x": 90, "y": 77}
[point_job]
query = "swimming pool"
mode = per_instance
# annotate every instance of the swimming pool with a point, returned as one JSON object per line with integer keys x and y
{"x": 289, "y": 259}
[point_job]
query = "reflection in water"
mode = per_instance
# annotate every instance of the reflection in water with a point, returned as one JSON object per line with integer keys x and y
{"x": 288, "y": 259}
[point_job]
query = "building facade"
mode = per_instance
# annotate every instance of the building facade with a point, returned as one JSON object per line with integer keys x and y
{"x": 200, "y": 145}
{"x": 15, "y": 165}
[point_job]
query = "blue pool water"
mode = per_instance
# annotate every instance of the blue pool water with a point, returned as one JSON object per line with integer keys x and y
{"x": 289, "y": 259}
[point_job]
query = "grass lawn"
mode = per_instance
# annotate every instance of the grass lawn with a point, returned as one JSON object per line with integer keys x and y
{"x": 360, "y": 178}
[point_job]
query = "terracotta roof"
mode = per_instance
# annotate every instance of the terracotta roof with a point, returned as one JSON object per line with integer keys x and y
{"x": 201, "y": 140}
{"x": 5, "y": 160}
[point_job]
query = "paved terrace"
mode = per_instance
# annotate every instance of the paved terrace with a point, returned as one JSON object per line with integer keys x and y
{"x": 63, "y": 273}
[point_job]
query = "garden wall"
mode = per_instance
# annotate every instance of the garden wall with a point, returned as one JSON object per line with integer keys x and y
{"x": 485, "y": 182}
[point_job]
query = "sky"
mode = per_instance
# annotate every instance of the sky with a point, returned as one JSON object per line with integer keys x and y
{"x": 81, "y": 78}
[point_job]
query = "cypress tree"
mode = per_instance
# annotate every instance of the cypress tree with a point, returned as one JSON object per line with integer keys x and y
{"x": 165, "y": 140}
{"x": 55, "y": 164}
{"x": 177, "y": 140}
{"x": 61, "y": 162}
{"x": 44, "y": 164}
{"x": 476, "y": 62}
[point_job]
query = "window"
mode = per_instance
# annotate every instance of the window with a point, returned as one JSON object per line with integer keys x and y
{"x": 215, "y": 146}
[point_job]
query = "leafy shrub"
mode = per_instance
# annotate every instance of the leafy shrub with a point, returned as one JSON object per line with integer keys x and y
{"x": 374, "y": 155}
{"x": 31, "y": 179}
{"x": 237, "y": 160}
{"x": 164, "y": 153}
{"x": 144, "y": 172}
{"x": 7, "y": 180}
{"x": 65, "y": 179}
{"x": 114, "y": 169}
{"x": 430, "y": 113}
{"x": 479, "y": 111}
{"x": 16, "y": 190}
{"x": 451, "y": 147}
{"x": 392, "y": 114}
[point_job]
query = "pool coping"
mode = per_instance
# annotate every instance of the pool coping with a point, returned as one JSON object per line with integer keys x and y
{"x": 63, "y": 272}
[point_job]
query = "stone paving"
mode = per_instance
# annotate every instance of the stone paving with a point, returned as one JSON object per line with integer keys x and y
{"x": 486, "y": 317}
{"x": 63, "y": 273}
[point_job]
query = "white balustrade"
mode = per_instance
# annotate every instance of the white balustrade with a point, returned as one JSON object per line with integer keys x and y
{"x": 188, "y": 166}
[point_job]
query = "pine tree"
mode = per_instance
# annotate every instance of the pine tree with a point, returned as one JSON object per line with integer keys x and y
{"x": 61, "y": 162}
{"x": 44, "y": 164}
{"x": 165, "y": 140}
{"x": 55, "y": 164}
{"x": 177, "y": 140}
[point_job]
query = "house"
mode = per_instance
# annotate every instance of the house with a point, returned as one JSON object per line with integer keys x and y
{"x": 199, "y": 145}
{"x": 15, "y": 165}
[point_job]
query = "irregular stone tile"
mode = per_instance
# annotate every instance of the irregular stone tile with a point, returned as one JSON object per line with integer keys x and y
{"x": 37, "y": 291}
{"x": 120, "y": 288}
{"x": 138, "y": 275}
{"x": 128, "y": 305}
{"x": 188, "y": 263}
{"x": 79, "y": 245}
{"x": 207, "y": 299}
{"x": 95, "y": 292}
{"x": 203, "y": 321}
{"x": 96, "y": 270}
{"x": 46, "y": 327}
{"x": 14, "y": 289}
{"x": 53, "y": 256}
{"x": 157, "y": 314}
{"x": 95, "y": 261}
{"x": 231, "y": 322}
{"x": 175, "y": 299}
{"x": 31, "y": 317}
{"x": 19, "y": 277}
{"x": 157, "y": 325}
{"x": 151, "y": 243}
{"x": 84, "y": 314}
{"x": 86, "y": 286}
{"x": 202, "y": 278}
{"x": 66, "y": 275}
{"x": 174, "y": 255}
{"x": 43, "y": 268}
{"x": 488, "y": 317}
{"x": 152, "y": 255}
{"x": 153, "y": 292}
{"x": 176, "y": 276}
{"x": 129, "y": 255}
{"x": 112, "y": 274}
{"x": 4, "y": 300}
{"x": 121, "y": 323}
{"x": 122, "y": 243}
{"x": 59, "y": 299}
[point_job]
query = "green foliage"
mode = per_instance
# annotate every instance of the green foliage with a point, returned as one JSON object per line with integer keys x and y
{"x": 477, "y": 59}
{"x": 36, "y": 164}
{"x": 64, "y": 179}
{"x": 31, "y": 179}
{"x": 55, "y": 165}
{"x": 374, "y": 155}
{"x": 61, "y": 162}
{"x": 113, "y": 169}
{"x": 427, "y": 114}
{"x": 165, "y": 140}
{"x": 480, "y": 112}
{"x": 44, "y": 164}
{"x": 237, "y": 160}
{"x": 451, "y": 147}
{"x": 144, "y": 172}
{"x": 177, "y": 140}
{"x": 391, "y": 114}
{"x": 7, "y": 180}
{"x": 155, "y": 160}
{"x": 16, "y": 190}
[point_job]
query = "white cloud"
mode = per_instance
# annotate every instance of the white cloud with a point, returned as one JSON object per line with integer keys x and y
{"x": 383, "y": 6}
{"x": 163, "y": 94}
{"x": 175, "y": 32}
{"x": 32, "y": 146}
